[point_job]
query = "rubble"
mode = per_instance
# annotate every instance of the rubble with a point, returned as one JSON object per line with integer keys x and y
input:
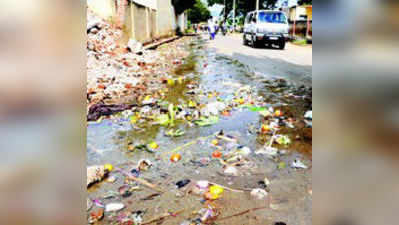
{"x": 97, "y": 173}
{"x": 116, "y": 75}
{"x": 259, "y": 193}
{"x": 134, "y": 46}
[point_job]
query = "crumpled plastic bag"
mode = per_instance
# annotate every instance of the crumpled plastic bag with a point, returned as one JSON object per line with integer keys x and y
{"x": 213, "y": 109}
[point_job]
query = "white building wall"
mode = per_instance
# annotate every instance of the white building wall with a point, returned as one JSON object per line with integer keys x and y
{"x": 103, "y": 8}
{"x": 166, "y": 24}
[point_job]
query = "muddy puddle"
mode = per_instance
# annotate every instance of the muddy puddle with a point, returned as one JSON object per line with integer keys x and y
{"x": 216, "y": 78}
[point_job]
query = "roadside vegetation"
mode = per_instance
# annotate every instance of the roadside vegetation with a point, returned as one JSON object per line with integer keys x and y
{"x": 300, "y": 42}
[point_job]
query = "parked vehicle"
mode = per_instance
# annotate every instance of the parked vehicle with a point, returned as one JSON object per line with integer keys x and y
{"x": 265, "y": 27}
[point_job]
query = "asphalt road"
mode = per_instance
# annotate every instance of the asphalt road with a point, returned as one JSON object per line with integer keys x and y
{"x": 294, "y": 63}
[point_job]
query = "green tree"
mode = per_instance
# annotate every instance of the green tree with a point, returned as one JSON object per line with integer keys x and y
{"x": 181, "y": 5}
{"x": 199, "y": 12}
{"x": 244, "y": 6}
{"x": 304, "y": 2}
{"x": 269, "y": 4}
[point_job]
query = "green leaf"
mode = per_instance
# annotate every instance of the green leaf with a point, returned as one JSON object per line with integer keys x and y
{"x": 255, "y": 109}
{"x": 133, "y": 119}
{"x": 143, "y": 148}
{"x": 281, "y": 165}
{"x": 204, "y": 121}
{"x": 174, "y": 133}
{"x": 153, "y": 145}
{"x": 192, "y": 104}
{"x": 283, "y": 140}
{"x": 163, "y": 119}
{"x": 171, "y": 114}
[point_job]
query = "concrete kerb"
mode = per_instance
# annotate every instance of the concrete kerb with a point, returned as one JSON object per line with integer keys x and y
{"x": 154, "y": 45}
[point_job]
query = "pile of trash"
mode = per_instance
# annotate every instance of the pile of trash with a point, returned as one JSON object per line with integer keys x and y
{"x": 116, "y": 75}
{"x": 112, "y": 203}
{"x": 201, "y": 108}
{"x": 235, "y": 160}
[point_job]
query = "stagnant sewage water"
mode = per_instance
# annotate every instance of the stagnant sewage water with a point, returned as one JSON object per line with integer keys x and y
{"x": 289, "y": 199}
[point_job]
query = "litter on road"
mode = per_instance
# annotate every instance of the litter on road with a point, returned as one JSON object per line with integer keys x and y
{"x": 191, "y": 133}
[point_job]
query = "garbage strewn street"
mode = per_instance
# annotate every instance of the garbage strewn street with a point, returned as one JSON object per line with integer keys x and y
{"x": 183, "y": 135}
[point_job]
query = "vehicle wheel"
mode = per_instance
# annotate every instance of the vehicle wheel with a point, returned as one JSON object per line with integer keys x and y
{"x": 244, "y": 40}
{"x": 259, "y": 44}
{"x": 281, "y": 45}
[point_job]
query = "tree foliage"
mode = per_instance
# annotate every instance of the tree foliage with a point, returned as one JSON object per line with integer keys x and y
{"x": 181, "y": 5}
{"x": 199, "y": 12}
{"x": 304, "y": 2}
{"x": 244, "y": 6}
{"x": 269, "y": 4}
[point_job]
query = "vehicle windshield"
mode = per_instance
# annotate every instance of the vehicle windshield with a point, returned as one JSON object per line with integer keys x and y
{"x": 272, "y": 17}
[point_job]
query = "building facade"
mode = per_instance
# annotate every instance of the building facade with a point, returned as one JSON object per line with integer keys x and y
{"x": 141, "y": 20}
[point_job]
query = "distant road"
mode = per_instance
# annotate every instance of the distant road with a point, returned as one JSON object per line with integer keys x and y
{"x": 294, "y": 63}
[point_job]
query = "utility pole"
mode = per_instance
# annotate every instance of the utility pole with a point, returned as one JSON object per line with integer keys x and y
{"x": 293, "y": 29}
{"x": 257, "y": 4}
{"x": 234, "y": 15}
{"x": 224, "y": 11}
